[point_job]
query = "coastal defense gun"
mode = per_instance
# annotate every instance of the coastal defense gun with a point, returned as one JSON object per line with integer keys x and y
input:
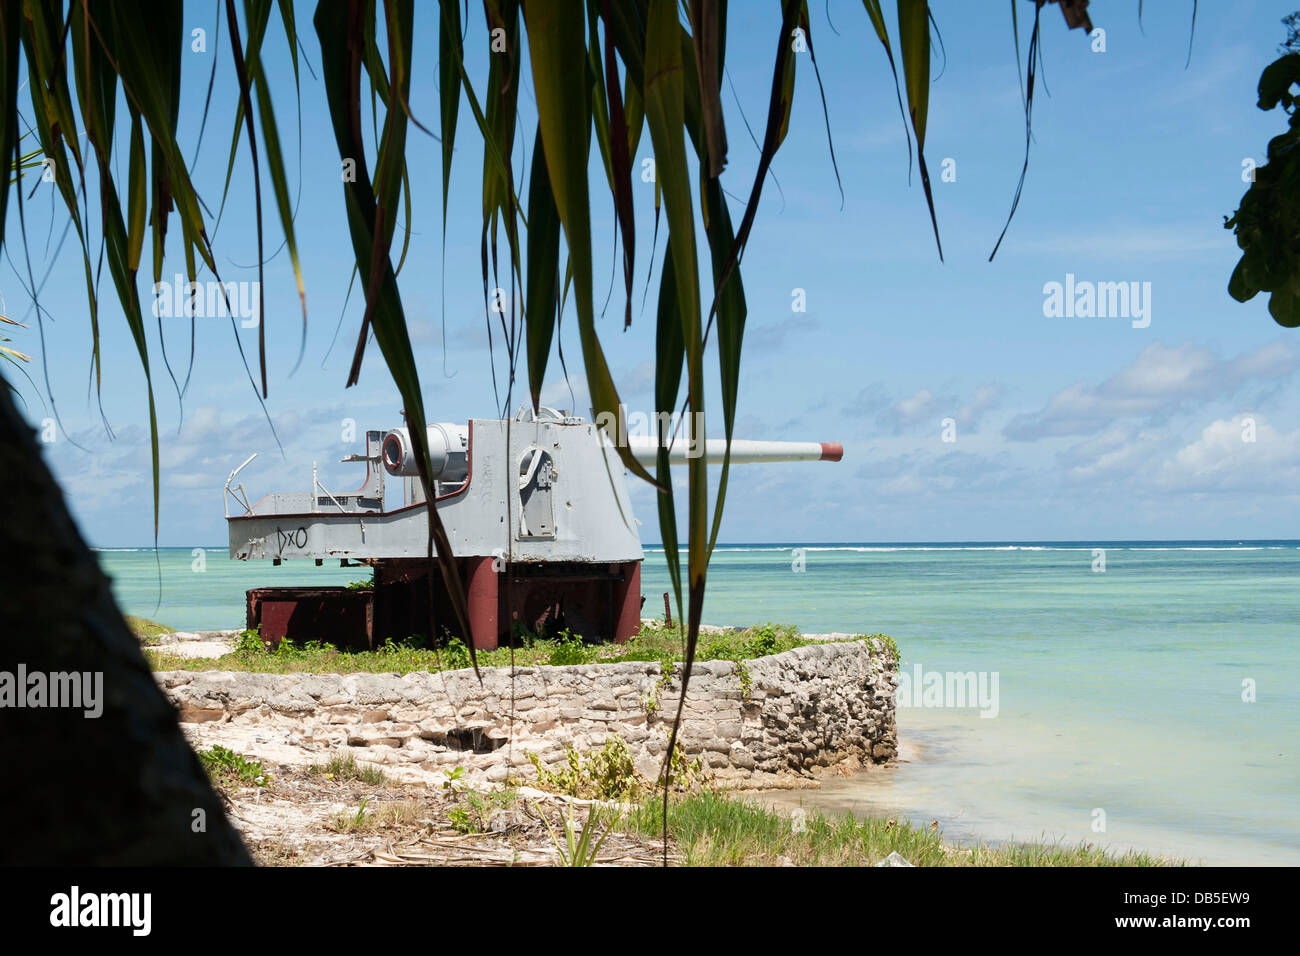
{"x": 536, "y": 510}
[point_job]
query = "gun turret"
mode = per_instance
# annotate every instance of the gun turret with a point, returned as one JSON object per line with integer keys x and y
{"x": 537, "y": 512}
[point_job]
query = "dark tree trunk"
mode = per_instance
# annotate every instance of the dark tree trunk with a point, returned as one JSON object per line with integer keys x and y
{"x": 123, "y": 788}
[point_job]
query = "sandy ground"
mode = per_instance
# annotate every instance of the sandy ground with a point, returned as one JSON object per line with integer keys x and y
{"x": 304, "y": 819}
{"x": 196, "y": 643}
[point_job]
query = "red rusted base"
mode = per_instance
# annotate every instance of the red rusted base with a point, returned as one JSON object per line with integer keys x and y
{"x": 483, "y": 601}
{"x": 627, "y": 602}
{"x": 597, "y": 602}
{"x": 341, "y": 616}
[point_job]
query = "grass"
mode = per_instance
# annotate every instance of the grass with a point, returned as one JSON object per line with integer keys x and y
{"x": 711, "y": 829}
{"x": 345, "y": 767}
{"x": 229, "y": 769}
{"x": 385, "y": 816}
{"x": 654, "y": 642}
{"x": 148, "y": 631}
{"x": 346, "y": 822}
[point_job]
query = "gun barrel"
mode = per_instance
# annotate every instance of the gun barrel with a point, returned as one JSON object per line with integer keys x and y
{"x": 743, "y": 451}
{"x": 448, "y": 451}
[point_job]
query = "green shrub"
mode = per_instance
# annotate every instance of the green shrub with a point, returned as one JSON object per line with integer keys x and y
{"x": 569, "y": 649}
{"x": 473, "y": 811}
{"x": 250, "y": 642}
{"x": 606, "y": 774}
{"x": 609, "y": 773}
{"x": 227, "y": 768}
{"x": 455, "y": 655}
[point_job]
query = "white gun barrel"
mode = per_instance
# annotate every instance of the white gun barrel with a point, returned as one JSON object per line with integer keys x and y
{"x": 743, "y": 451}
{"x": 448, "y": 452}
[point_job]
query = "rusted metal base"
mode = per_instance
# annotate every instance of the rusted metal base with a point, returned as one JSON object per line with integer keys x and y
{"x": 596, "y": 601}
{"x": 337, "y": 615}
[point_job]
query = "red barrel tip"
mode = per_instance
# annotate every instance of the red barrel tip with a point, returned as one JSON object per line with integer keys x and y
{"x": 832, "y": 451}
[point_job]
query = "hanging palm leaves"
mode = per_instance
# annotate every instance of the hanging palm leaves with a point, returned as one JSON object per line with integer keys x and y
{"x": 602, "y": 70}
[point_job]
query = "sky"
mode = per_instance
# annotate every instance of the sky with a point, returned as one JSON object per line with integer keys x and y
{"x": 968, "y": 406}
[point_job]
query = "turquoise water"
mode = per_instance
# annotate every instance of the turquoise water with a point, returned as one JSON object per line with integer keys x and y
{"x": 1120, "y": 692}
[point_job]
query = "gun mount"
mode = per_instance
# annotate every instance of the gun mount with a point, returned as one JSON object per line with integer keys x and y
{"x": 536, "y": 510}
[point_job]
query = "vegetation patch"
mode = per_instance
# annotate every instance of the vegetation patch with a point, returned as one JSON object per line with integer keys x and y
{"x": 710, "y": 829}
{"x": 654, "y": 642}
{"x": 890, "y": 645}
{"x": 398, "y": 815}
{"x": 667, "y": 672}
{"x": 148, "y": 631}
{"x": 229, "y": 769}
{"x": 476, "y": 812}
{"x": 345, "y": 767}
{"x": 609, "y": 773}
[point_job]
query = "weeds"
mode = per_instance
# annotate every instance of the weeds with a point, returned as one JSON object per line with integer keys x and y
{"x": 351, "y": 822}
{"x": 227, "y": 768}
{"x": 605, "y": 774}
{"x": 250, "y": 642}
{"x": 889, "y": 645}
{"x": 474, "y": 811}
{"x": 745, "y": 680}
{"x": 345, "y": 767}
{"x": 609, "y": 773}
{"x": 667, "y": 672}
{"x": 401, "y": 813}
{"x": 569, "y": 649}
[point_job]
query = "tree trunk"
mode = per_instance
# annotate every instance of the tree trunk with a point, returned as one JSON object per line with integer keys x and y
{"x": 121, "y": 788}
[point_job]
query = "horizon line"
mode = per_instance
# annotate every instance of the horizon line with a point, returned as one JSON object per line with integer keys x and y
{"x": 813, "y": 544}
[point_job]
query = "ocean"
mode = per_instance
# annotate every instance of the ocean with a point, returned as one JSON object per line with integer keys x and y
{"x": 1140, "y": 694}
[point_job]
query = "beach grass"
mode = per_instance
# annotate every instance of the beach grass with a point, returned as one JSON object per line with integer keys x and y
{"x": 148, "y": 631}
{"x": 713, "y": 829}
{"x": 346, "y": 768}
{"x": 654, "y": 642}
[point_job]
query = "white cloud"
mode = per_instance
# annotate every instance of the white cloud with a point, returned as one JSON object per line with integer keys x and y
{"x": 1222, "y": 460}
{"x": 1159, "y": 381}
{"x": 925, "y": 407}
{"x": 1240, "y": 454}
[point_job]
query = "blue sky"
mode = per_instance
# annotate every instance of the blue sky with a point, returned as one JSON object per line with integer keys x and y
{"x": 1065, "y": 428}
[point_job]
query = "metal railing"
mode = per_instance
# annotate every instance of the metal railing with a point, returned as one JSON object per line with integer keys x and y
{"x": 240, "y": 496}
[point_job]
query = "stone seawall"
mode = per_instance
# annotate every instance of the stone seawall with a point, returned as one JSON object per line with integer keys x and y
{"x": 772, "y": 721}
